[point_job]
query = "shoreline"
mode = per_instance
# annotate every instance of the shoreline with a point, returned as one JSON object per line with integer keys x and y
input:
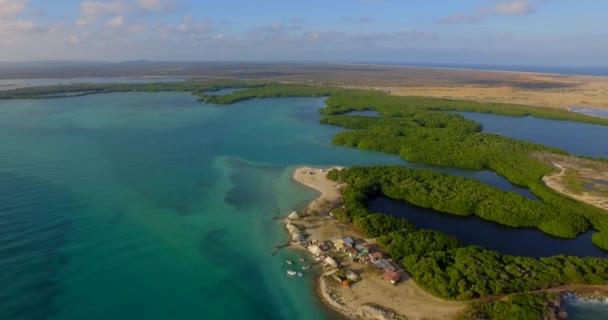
{"x": 370, "y": 296}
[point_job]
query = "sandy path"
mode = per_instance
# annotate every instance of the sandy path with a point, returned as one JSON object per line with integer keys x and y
{"x": 405, "y": 298}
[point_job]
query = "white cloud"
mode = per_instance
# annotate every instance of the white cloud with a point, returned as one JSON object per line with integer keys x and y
{"x": 72, "y": 39}
{"x": 97, "y": 8}
{"x": 12, "y": 8}
{"x": 515, "y": 7}
{"x": 20, "y": 26}
{"x": 82, "y": 22}
{"x": 506, "y": 7}
{"x": 156, "y": 5}
{"x": 115, "y": 22}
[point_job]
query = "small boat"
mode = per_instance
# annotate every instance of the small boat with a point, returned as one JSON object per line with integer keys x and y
{"x": 301, "y": 258}
{"x": 291, "y": 272}
{"x": 300, "y": 274}
{"x": 289, "y": 262}
{"x": 306, "y": 267}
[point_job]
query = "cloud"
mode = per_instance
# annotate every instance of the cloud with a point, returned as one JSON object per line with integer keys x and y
{"x": 359, "y": 20}
{"x": 12, "y": 8}
{"x": 82, "y": 22}
{"x": 115, "y": 22}
{"x": 157, "y": 5}
{"x": 509, "y": 7}
{"x": 515, "y": 7}
{"x": 96, "y": 8}
{"x": 21, "y": 27}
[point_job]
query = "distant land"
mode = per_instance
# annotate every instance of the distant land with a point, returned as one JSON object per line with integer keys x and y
{"x": 441, "y": 81}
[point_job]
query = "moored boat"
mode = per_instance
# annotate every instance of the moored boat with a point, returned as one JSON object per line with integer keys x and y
{"x": 289, "y": 262}
{"x": 300, "y": 274}
{"x": 301, "y": 258}
{"x": 306, "y": 267}
{"x": 291, "y": 272}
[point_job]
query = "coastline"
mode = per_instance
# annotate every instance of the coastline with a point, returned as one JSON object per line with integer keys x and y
{"x": 371, "y": 296}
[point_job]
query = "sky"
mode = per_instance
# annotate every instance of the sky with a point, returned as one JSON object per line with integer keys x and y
{"x": 507, "y": 32}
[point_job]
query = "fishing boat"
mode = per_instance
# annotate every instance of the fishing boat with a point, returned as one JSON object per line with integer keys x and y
{"x": 306, "y": 267}
{"x": 289, "y": 262}
{"x": 301, "y": 258}
{"x": 300, "y": 274}
{"x": 291, "y": 272}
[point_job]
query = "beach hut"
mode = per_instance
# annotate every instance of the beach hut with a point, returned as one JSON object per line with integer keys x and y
{"x": 338, "y": 243}
{"x": 293, "y": 216}
{"x": 361, "y": 248}
{"x": 349, "y": 241}
{"x": 331, "y": 262}
{"x": 392, "y": 276}
{"x": 351, "y": 275}
{"x": 352, "y": 253}
{"x": 376, "y": 256}
{"x": 314, "y": 249}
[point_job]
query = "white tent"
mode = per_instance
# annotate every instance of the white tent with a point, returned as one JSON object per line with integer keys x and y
{"x": 315, "y": 250}
{"x": 293, "y": 216}
{"x": 330, "y": 261}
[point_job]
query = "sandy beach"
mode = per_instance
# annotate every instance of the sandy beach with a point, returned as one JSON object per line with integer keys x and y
{"x": 372, "y": 297}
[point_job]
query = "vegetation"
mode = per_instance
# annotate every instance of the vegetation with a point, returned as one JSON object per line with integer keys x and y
{"x": 470, "y": 272}
{"x": 455, "y": 195}
{"x": 524, "y": 306}
{"x": 438, "y": 262}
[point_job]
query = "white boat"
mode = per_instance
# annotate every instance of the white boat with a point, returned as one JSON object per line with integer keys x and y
{"x": 306, "y": 267}
{"x": 300, "y": 274}
{"x": 291, "y": 272}
{"x": 289, "y": 262}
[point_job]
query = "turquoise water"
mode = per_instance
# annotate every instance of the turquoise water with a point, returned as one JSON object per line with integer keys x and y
{"x": 131, "y": 205}
{"x": 156, "y": 206}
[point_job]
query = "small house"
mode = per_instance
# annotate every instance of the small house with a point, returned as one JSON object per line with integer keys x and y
{"x": 349, "y": 241}
{"x": 392, "y": 276}
{"x": 339, "y": 244}
{"x": 351, "y": 275}
{"x": 376, "y": 256}
{"x": 362, "y": 249}
{"x": 315, "y": 250}
{"x": 352, "y": 252}
{"x": 331, "y": 262}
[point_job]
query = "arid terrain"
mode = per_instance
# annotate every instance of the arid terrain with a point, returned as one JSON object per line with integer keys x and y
{"x": 537, "y": 89}
{"x": 580, "y": 179}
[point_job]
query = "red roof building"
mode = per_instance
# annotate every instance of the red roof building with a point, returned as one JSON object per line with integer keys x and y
{"x": 392, "y": 276}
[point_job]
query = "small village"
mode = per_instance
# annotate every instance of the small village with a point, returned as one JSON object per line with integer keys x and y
{"x": 343, "y": 258}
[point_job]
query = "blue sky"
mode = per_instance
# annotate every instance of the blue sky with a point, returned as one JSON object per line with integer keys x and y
{"x": 517, "y": 32}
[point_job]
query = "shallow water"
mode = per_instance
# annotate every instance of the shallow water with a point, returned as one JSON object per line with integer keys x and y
{"x": 575, "y": 137}
{"x": 601, "y": 113}
{"x": 136, "y": 205}
{"x": 139, "y": 205}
